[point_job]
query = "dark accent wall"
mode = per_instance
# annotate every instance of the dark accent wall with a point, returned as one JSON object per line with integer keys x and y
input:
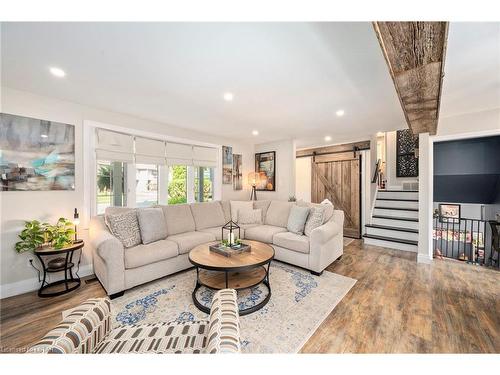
{"x": 467, "y": 171}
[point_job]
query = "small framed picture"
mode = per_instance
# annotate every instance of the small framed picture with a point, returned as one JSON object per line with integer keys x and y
{"x": 449, "y": 213}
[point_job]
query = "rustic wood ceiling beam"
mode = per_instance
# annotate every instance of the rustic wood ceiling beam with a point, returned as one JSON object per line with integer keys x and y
{"x": 415, "y": 54}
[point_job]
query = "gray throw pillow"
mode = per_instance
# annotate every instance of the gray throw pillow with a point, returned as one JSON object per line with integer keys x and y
{"x": 297, "y": 219}
{"x": 315, "y": 219}
{"x": 125, "y": 227}
{"x": 152, "y": 224}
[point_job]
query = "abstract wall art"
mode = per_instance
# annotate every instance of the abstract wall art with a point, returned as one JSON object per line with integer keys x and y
{"x": 265, "y": 166}
{"x": 227, "y": 165}
{"x": 36, "y": 154}
{"x": 237, "y": 172}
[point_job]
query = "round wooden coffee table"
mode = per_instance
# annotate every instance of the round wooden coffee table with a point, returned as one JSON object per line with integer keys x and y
{"x": 239, "y": 271}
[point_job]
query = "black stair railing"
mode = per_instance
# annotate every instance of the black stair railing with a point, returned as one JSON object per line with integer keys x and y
{"x": 464, "y": 239}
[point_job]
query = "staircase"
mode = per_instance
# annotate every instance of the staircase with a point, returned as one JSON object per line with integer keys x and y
{"x": 394, "y": 222}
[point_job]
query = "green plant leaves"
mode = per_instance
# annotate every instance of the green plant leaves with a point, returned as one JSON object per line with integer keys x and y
{"x": 36, "y": 234}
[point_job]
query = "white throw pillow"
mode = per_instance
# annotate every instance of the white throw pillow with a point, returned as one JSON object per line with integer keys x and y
{"x": 297, "y": 219}
{"x": 253, "y": 216}
{"x": 238, "y": 205}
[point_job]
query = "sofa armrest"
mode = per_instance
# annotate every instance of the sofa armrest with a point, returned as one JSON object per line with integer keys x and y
{"x": 325, "y": 232}
{"x": 111, "y": 270}
{"x": 224, "y": 326}
{"x": 80, "y": 331}
{"x": 326, "y": 242}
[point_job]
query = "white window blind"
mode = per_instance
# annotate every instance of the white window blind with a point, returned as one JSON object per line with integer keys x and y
{"x": 114, "y": 146}
{"x": 204, "y": 156}
{"x": 149, "y": 151}
{"x": 179, "y": 154}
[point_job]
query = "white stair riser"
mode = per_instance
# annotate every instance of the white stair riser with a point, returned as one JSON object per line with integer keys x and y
{"x": 397, "y": 194}
{"x": 395, "y": 223}
{"x": 395, "y": 213}
{"x": 391, "y": 245}
{"x": 392, "y": 233}
{"x": 397, "y": 204}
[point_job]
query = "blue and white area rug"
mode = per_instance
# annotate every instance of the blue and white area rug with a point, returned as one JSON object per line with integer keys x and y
{"x": 299, "y": 303}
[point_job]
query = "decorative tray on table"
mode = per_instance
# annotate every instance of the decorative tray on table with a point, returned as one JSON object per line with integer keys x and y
{"x": 228, "y": 251}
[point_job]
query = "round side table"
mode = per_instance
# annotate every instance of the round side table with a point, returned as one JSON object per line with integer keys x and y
{"x": 239, "y": 272}
{"x": 65, "y": 264}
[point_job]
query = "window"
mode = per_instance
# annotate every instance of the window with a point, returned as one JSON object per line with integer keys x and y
{"x": 177, "y": 184}
{"x": 146, "y": 188}
{"x": 110, "y": 185}
{"x": 203, "y": 184}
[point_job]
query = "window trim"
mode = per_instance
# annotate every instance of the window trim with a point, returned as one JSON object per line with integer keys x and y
{"x": 90, "y": 166}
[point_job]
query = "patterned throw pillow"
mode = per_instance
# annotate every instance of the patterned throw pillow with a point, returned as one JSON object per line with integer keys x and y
{"x": 246, "y": 216}
{"x": 315, "y": 218}
{"x": 125, "y": 227}
{"x": 297, "y": 219}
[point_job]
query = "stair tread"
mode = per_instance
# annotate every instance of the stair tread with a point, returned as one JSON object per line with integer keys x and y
{"x": 390, "y": 239}
{"x": 397, "y": 199}
{"x": 399, "y": 229}
{"x": 395, "y": 218}
{"x": 398, "y": 191}
{"x": 397, "y": 208}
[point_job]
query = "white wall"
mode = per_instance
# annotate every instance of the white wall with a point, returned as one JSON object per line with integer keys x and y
{"x": 393, "y": 182}
{"x": 15, "y": 274}
{"x": 303, "y": 179}
{"x": 285, "y": 169}
{"x": 469, "y": 123}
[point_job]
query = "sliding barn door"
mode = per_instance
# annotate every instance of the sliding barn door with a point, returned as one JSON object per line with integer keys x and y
{"x": 337, "y": 177}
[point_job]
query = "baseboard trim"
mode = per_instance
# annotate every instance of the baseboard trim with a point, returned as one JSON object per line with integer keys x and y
{"x": 29, "y": 285}
{"x": 424, "y": 258}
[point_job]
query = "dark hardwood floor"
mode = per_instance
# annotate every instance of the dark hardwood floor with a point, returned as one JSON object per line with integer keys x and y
{"x": 397, "y": 306}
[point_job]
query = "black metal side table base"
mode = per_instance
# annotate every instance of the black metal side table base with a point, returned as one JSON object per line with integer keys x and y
{"x": 61, "y": 292}
{"x": 66, "y": 268}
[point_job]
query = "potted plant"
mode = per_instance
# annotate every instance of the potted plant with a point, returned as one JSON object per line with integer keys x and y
{"x": 36, "y": 235}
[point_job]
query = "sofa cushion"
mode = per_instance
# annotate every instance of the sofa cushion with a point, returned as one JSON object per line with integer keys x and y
{"x": 142, "y": 255}
{"x": 152, "y": 224}
{"x": 187, "y": 241}
{"x": 249, "y": 216}
{"x": 125, "y": 227}
{"x": 315, "y": 218}
{"x": 237, "y": 205}
{"x": 179, "y": 218}
{"x": 207, "y": 214}
{"x": 264, "y": 206}
{"x": 297, "y": 219}
{"x": 292, "y": 241}
{"x": 216, "y": 231}
{"x": 326, "y": 204}
{"x": 160, "y": 338}
{"x": 226, "y": 207}
{"x": 277, "y": 213}
{"x": 263, "y": 233}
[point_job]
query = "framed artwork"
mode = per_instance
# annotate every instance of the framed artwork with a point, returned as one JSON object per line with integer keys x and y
{"x": 449, "y": 213}
{"x": 237, "y": 172}
{"x": 36, "y": 154}
{"x": 406, "y": 161}
{"x": 265, "y": 166}
{"x": 227, "y": 165}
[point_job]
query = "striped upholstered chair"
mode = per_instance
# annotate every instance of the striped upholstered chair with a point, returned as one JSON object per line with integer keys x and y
{"x": 87, "y": 329}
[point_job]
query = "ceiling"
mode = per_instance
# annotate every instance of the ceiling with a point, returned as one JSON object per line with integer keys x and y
{"x": 288, "y": 79}
{"x": 472, "y": 68}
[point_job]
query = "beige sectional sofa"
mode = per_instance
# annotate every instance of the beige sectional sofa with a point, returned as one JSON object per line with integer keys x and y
{"x": 189, "y": 225}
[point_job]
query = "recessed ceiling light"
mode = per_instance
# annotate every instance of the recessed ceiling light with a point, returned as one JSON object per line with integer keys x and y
{"x": 228, "y": 96}
{"x": 255, "y": 132}
{"x": 328, "y": 138}
{"x": 340, "y": 113}
{"x": 44, "y": 135}
{"x": 58, "y": 72}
